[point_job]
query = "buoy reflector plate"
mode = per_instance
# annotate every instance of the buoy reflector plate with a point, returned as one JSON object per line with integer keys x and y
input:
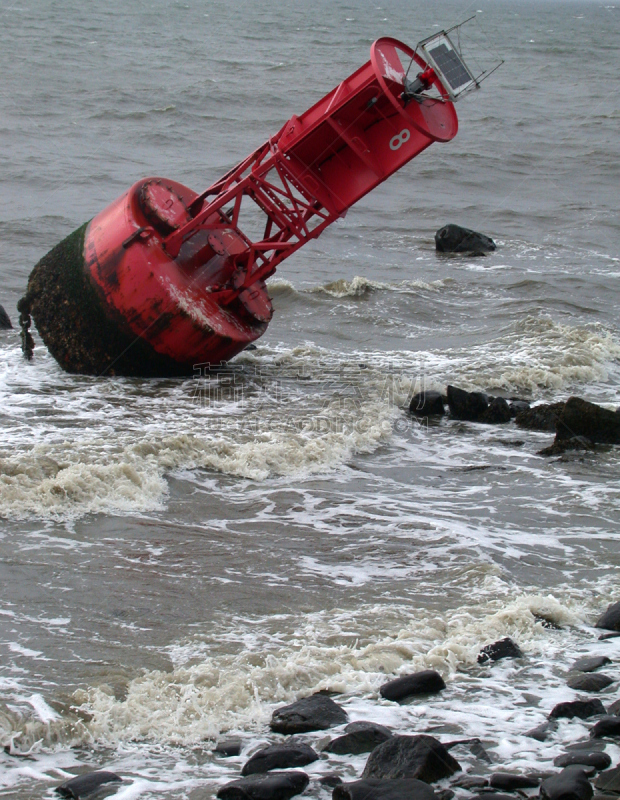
{"x": 163, "y": 207}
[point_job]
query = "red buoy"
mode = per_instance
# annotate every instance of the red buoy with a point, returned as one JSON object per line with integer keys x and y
{"x": 181, "y": 274}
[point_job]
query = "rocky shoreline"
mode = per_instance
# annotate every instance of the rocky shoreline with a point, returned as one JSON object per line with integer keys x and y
{"x": 577, "y": 423}
{"x": 417, "y": 765}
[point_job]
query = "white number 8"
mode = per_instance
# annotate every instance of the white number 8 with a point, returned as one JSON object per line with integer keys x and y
{"x": 396, "y": 142}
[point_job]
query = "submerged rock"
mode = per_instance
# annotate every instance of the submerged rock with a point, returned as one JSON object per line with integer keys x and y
{"x": 427, "y": 404}
{"x": 280, "y": 756}
{"x": 375, "y": 789}
{"x": 474, "y": 745}
{"x": 570, "y": 784}
{"x": 467, "y": 406}
{"x": 427, "y": 681}
{"x": 589, "y": 682}
{"x": 5, "y": 320}
{"x": 542, "y": 732}
{"x": 422, "y": 757}
{"x": 610, "y": 620}
{"x": 315, "y": 713}
{"x": 583, "y": 709}
{"x": 590, "y": 663}
{"x": 228, "y": 748}
{"x": 454, "y": 239}
{"x": 504, "y": 648}
{"x": 268, "y": 786}
{"x": 542, "y": 417}
{"x": 359, "y": 737}
{"x": 85, "y": 785}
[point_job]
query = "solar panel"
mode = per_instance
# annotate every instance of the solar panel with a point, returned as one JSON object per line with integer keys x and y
{"x": 448, "y": 64}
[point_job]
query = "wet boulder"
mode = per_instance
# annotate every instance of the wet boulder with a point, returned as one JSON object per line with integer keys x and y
{"x": 542, "y": 732}
{"x": 427, "y": 404}
{"x": 517, "y": 405}
{"x": 454, "y": 239}
{"x": 570, "y": 784}
{"x": 86, "y": 785}
{"x": 5, "y": 320}
{"x": 610, "y": 620}
{"x": 267, "y": 786}
{"x": 375, "y": 789}
{"x": 606, "y": 727}
{"x": 542, "y": 417}
{"x": 609, "y": 781}
{"x": 509, "y": 782}
{"x": 280, "y": 756}
{"x": 589, "y": 682}
{"x": 613, "y": 710}
{"x": 580, "y": 418}
{"x": 497, "y": 412}
{"x": 315, "y": 713}
{"x": 422, "y": 757}
{"x": 590, "y": 663}
{"x": 427, "y": 681}
{"x": 504, "y": 648}
{"x": 588, "y": 758}
{"x": 582, "y": 709}
{"x": 467, "y": 406}
{"x": 228, "y": 748}
{"x": 359, "y": 737}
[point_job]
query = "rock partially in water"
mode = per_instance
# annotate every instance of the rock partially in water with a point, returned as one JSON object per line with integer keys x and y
{"x": 588, "y": 758}
{"x": 331, "y": 780}
{"x": 610, "y": 620}
{"x": 570, "y": 784}
{"x": 590, "y": 663}
{"x": 580, "y": 418}
{"x": 504, "y": 648}
{"x": 517, "y": 405}
{"x": 467, "y": 406}
{"x": 427, "y": 404}
{"x": 613, "y": 710}
{"x": 280, "y": 756}
{"x": 376, "y": 789}
{"x": 542, "y": 417}
{"x": 315, "y": 713}
{"x": 606, "y": 727}
{"x": 609, "y": 781}
{"x": 422, "y": 757}
{"x": 542, "y": 732}
{"x": 86, "y": 785}
{"x": 474, "y": 746}
{"x": 268, "y": 786}
{"x": 455, "y": 239}
{"x": 589, "y": 682}
{"x": 427, "y": 681}
{"x": 228, "y": 748}
{"x": 509, "y": 782}
{"x": 359, "y": 737}
{"x": 583, "y": 709}
{"x": 5, "y": 320}
{"x": 497, "y": 413}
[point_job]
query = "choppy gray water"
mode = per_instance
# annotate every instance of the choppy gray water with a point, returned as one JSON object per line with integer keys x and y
{"x": 178, "y": 557}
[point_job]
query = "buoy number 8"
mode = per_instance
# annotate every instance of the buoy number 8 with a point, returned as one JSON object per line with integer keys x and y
{"x": 396, "y": 142}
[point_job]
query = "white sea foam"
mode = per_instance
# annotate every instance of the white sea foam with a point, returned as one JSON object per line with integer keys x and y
{"x": 360, "y": 286}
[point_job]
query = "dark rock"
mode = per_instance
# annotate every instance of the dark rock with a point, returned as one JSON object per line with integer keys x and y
{"x": 470, "y": 781}
{"x": 610, "y": 620}
{"x": 609, "y": 781}
{"x": 444, "y": 794}
{"x": 504, "y": 648}
{"x": 359, "y": 737}
{"x": 331, "y": 780}
{"x": 542, "y": 732}
{"x": 570, "y": 784}
{"x": 547, "y": 622}
{"x": 427, "y": 404}
{"x": 581, "y": 418}
{"x": 516, "y": 406}
{"x": 589, "y": 758}
{"x": 454, "y": 239}
{"x": 427, "y": 681}
{"x": 5, "y": 320}
{"x": 497, "y": 413}
{"x": 492, "y": 796}
{"x": 250, "y": 347}
{"x": 604, "y": 636}
{"x": 469, "y": 406}
{"x": 561, "y": 446}
{"x": 280, "y": 756}
{"x": 314, "y": 713}
{"x": 583, "y": 709}
{"x": 508, "y": 782}
{"x": 475, "y": 748}
{"x": 585, "y": 744}
{"x": 613, "y": 710}
{"x": 590, "y": 663}
{"x": 376, "y": 789}
{"x": 269, "y": 786}
{"x": 85, "y": 785}
{"x": 589, "y": 682}
{"x": 228, "y": 747}
{"x": 421, "y": 757}
{"x": 608, "y": 726}
{"x": 542, "y": 417}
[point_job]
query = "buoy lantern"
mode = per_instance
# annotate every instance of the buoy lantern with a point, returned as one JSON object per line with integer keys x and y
{"x": 165, "y": 279}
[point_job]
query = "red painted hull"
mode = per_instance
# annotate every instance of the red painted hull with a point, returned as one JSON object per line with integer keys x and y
{"x": 164, "y": 301}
